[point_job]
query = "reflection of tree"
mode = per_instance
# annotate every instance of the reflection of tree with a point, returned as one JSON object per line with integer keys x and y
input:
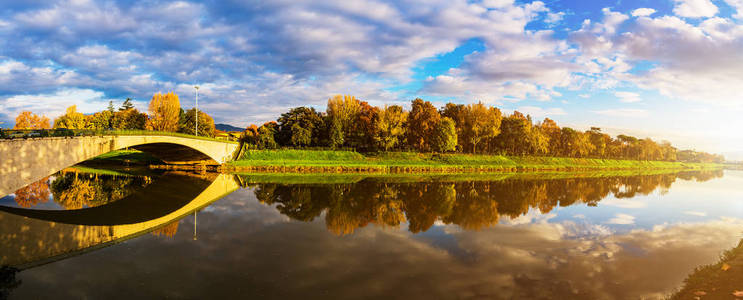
{"x": 73, "y": 190}
{"x": 33, "y": 194}
{"x": 168, "y": 230}
{"x": 469, "y": 204}
{"x": 723, "y": 280}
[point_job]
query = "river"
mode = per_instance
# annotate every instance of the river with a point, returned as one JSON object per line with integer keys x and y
{"x": 127, "y": 234}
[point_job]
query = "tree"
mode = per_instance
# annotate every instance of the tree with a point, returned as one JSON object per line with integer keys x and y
{"x": 71, "y": 119}
{"x": 458, "y": 113}
{"x": 206, "y": 123}
{"x": 551, "y": 132}
{"x": 29, "y": 120}
{"x": 363, "y": 129}
{"x": 391, "y": 127}
{"x": 300, "y": 136}
{"x": 336, "y": 134}
{"x": 100, "y": 120}
{"x": 343, "y": 112}
{"x": 445, "y": 136}
{"x": 481, "y": 123}
{"x": 111, "y": 106}
{"x": 130, "y": 119}
{"x": 266, "y": 136}
{"x": 422, "y": 121}
{"x": 127, "y": 105}
{"x": 33, "y": 194}
{"x": 164, "y": 112}
{"x": 307, "y": 119}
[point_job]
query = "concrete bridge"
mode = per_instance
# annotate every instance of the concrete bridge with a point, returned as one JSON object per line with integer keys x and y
{"x": 24, "y": 161}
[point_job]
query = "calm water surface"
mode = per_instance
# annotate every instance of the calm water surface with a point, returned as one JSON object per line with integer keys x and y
{"x": 122, "y": 235}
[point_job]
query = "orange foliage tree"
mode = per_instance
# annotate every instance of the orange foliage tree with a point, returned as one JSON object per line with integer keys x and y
{"x": 33, "y": 194}
{"x": 29, "y": 120}
{"x": 164, "y": 112}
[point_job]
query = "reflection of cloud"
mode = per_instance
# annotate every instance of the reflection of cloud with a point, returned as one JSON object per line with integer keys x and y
{"x": 243, "y": 247}
{"x": 622, "y": 219}
{"x": 624, "y": 203}
{"x": 696, "y": 213}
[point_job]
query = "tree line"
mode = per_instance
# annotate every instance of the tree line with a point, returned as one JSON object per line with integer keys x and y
{"x": 164, "y": 114}
{"x": 473, "y": 128}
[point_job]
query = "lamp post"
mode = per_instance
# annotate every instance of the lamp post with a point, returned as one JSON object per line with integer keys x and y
{"x": 197, "y": 110}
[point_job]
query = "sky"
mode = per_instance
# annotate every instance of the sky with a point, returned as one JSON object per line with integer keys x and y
{"x": 666, "y": 69}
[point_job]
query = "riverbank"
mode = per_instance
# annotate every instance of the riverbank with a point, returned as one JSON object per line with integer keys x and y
{"x": 327, "y": 161}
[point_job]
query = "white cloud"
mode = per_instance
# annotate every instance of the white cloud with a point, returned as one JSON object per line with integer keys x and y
{"x": 624, "y": 203}
{"x": 694, "y": 8}
{"x": 539, "y": 112}
{"x": 628, "y": 97}
{"x": 622, "y": 219}
{"x": 643, "y": 12}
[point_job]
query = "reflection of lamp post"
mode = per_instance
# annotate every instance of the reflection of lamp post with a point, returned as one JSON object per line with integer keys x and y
{"x": 194, "y": 225}
{"x": 197, "y": 111}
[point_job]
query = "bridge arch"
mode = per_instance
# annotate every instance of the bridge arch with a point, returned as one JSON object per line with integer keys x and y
{"x": 23, "y": 161}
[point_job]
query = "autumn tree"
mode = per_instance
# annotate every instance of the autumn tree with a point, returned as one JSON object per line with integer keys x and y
{"x": 206, "y": 123}
{"x": 100, "y": 120}
{"x": 481, "y": 123}
{"x": 164, "y": 112}
{"x": 422, "y": 121}
{"x": 551, "y": 132}
{"x": 72, "y": 119}
{"x": 127, "y": 105}
{"x": 363, "y": 129}
{"x": 342, "y": 110}
{"x": 33, "y": 194}
{"x": 391, "y": 127}
{"x": 29, "y": 120}
{"x": 130, "y": 119}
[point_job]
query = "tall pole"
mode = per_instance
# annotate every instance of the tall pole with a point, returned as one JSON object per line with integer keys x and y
{"x": 197, "y": 110}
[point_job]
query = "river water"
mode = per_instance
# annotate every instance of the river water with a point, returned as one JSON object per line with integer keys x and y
{"x": 128, "y": 234}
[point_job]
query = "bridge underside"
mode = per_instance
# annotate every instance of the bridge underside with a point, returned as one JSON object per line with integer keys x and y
{"x": 175, "y": 153}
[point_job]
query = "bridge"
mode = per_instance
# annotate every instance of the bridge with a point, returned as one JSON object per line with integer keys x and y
{"x": 24, "y": 161}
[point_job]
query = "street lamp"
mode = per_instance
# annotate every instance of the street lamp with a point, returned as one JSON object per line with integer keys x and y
{"x": 197, "y": 110}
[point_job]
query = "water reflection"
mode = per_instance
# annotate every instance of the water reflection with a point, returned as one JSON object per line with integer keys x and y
{"x": 470, "y": 204}
{"x": 504, "y": 237}
{"x": 138, "y": 205}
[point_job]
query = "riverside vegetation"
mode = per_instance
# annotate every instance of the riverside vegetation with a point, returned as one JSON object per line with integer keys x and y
{"x": 357, "y": 136}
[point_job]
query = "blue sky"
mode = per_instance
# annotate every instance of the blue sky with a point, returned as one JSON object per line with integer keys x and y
{"x": 666, "y": 69}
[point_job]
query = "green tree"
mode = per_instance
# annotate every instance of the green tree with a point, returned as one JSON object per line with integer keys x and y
{"x": 307, "y": 119}
{"x": 445, "y": 136}
{"x": 336, "y": 133}
{"x": 458, "y": 113}
{"x": 127, "y": 105}
{"x": 206, "y": 123}
{"x": 266, "y": 136}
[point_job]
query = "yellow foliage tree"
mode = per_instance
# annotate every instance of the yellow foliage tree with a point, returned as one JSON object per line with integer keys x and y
{"x": 71, "y": 119}
{"x": 164, "y": 112}
{"x": 29, "y": 120}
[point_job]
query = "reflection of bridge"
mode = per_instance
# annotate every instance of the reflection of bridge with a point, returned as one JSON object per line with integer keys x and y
{"x": 28, "y": 160}
{"x": 30, "y": 237}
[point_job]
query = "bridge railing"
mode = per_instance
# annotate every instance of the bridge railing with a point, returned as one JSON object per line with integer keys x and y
{"x": 6, "y": 134}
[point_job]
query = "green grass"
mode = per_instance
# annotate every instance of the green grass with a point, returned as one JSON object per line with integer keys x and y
{"x": 421, "y": 161}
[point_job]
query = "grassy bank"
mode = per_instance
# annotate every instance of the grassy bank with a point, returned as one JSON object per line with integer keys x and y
{"x": 401, "y": 162}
